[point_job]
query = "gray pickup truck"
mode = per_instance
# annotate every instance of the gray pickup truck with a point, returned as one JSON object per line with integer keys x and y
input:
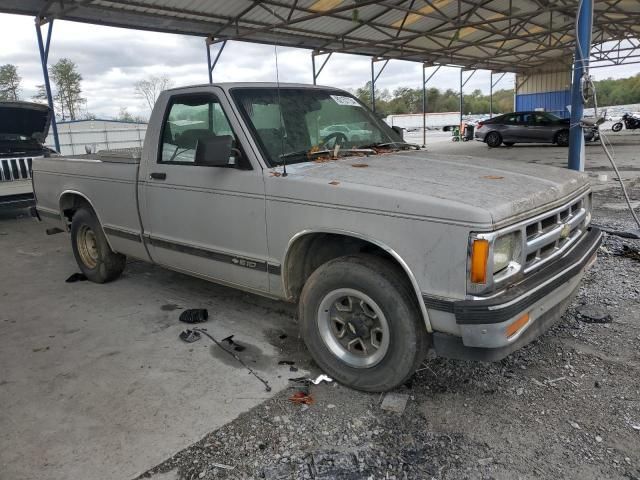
{"x": 389, "y": 251}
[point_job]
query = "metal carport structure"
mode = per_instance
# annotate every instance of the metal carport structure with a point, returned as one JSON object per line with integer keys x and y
{"x": 497, "y": 35}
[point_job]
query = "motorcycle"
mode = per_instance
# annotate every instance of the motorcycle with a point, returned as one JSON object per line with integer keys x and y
{"x": 631, "y": 122}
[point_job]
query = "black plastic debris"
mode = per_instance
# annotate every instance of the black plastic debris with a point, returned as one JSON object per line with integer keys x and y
{"x": 235, "y": 345}
{"x": 76, "y": 277}
{"x": 190, "y": 336}
{"x": 594, "y": 314}
{"x": 194, "y": 315}
{"x": 286, "y": 362}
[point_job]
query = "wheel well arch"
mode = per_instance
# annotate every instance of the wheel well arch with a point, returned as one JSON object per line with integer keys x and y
{"x": 558, "y": 132}
{"x": 299, "y": 263}
{"x": 70, "y": 202}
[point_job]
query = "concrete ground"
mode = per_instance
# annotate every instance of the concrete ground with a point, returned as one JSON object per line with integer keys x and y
{"x": 95, "y": 382}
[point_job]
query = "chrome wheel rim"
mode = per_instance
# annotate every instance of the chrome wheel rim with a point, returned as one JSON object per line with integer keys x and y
{"x": 87, "y": 246}
{"x": 353, "y": 327}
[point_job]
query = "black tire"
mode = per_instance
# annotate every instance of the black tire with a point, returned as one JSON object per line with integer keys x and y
{"x": 509, "y": 144}
{"x": 95, "y": 258}
{"x": 493, "y": 139}
{"x": 562, "y": 138}
{"x": 616, "y": 127}
{"x": 386, "y": 285}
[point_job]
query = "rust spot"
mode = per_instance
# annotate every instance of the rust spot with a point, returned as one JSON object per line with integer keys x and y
{"x": 359, "y": 165}
{"x": 493, "y": 177}
{"x": 273, "y": 173}
{"x": 335, "y": 182}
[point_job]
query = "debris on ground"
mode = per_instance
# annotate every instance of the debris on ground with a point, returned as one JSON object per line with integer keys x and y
{"x": 395, "y": 402}
{"x": 76, "y": 277}
{"x": 321, "y": 378}
{"x": 632, "y": 253}
{"x": 233, "y": 344}
{"x": 189, "y": 336}
{"x": 234, "y": 355}
{"x": 301, "y": 398}
{"x": 594, "y": 314}
{"x": 194, "y": 315}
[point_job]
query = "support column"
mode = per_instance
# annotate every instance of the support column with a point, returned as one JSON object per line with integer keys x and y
{"x": 491, "y": 94}
{"x": 461, "y": 100}
{"x": 424, "y": 101}
{"x": 44, "y": 58}
{"x": 373, "y": 89}
{"x": 374, "y": 79}
{"x": 424, "y": 108}
{"x": 491, "y": 87}
{"x": 314, "y": 54}
{"x": 210, "y": 66}
{"x": 580, "y": 69}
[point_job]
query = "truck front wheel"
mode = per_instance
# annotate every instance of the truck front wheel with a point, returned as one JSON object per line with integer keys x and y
{"x": 360, "y": 323}
{"x": 95, "y": 258}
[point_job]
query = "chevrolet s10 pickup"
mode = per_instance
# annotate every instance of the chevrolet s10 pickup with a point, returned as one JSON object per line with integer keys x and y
{"x": 389, "y": 251}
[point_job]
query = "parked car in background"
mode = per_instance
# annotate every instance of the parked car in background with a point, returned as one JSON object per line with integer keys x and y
{"x": 525, "y": 127}
{"x": 351, "y": 133}
{"x": 23, "y": 128}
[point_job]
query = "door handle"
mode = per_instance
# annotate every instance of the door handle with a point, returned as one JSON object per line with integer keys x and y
{"x": 158, "y": 175}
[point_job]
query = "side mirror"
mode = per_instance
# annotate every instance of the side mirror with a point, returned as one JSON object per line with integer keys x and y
{"x": 399, "y": 131}
{"x": 215, "y": 151}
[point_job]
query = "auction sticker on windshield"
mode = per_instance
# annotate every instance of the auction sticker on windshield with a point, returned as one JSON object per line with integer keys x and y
{"x": 342, "y": 100}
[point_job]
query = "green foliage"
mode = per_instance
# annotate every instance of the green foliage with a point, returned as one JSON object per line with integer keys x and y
{"x": 409, "y": 100}
{"x": 622, "y": 91}
{"x": 68, "y": 95}
{"x": 9, "y": 83}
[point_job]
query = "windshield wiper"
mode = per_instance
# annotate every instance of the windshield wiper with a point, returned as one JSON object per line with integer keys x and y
{"x": 364, "y": 150}
{"x": 391, "y": 144}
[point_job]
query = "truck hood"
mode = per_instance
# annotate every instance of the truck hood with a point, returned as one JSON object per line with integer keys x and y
{"x": 468, "y": 189}
{"x": 25, "y": 119}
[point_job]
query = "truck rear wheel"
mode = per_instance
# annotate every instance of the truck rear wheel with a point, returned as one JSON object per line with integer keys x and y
{"x": 95, "y": 258}
{"x": 360, "y": 323}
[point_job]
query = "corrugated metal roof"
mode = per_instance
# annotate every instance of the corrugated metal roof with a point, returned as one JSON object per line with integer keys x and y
{"x": 508, "y": 35}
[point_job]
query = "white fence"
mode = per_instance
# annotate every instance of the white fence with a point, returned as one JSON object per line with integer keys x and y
{"x": 76, "y": 137}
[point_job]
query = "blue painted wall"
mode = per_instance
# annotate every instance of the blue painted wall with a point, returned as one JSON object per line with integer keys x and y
{"x": 553, "y": 102}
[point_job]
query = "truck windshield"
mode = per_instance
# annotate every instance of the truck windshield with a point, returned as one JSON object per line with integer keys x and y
{"x": 293, "y": 123}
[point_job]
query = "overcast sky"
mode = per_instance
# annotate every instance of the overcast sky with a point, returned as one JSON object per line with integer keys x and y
{"x": 111, "y": 60}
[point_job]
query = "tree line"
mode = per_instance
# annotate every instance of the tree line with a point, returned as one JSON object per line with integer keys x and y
{"x": 610, "y": 92}
{"x": 66, "y": 91}
{"x": 70, "y": 104}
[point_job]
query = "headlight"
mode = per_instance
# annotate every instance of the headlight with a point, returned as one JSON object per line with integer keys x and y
{"x": 504, "y": 250}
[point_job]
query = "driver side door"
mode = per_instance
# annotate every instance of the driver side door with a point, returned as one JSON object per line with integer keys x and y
{"x": 204, "y": 220}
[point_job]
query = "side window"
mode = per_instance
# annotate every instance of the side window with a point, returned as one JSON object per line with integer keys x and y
{"x": 511, "y": 119}
{"x": 191, "y": 119}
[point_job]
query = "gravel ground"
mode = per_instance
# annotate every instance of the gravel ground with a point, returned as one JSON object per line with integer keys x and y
{"x": 565, "y": 406}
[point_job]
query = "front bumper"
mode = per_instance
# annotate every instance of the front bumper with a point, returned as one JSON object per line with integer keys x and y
{"x": 543, "y": 296}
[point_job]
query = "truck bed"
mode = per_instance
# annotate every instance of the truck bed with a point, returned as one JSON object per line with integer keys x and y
{"x": 109, "y": 176}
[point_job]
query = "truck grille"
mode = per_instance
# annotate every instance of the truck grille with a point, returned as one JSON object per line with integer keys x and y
{"x": 15, "y": 169}
{"x": 548, "y": 236}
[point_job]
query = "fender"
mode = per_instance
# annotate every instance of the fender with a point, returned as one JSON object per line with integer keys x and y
{"x": 386, "y": 248}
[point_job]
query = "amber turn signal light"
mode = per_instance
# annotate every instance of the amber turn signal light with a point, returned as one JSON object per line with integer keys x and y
{"x": 479, "y": 257}
{"x": 516, "y": 325}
